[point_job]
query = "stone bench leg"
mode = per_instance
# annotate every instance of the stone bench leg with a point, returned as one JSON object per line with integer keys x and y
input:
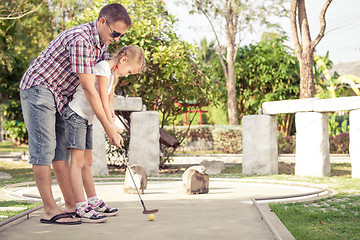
{"x": 354, "y": 149}
{"x": 260, "y": 151}
{"x": 99, "y": 166}
{"x": 144, "y": 148}
{"x": 312, "y": 144}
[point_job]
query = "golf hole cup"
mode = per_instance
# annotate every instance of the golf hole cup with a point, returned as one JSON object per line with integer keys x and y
{"x": 151, "y": 217}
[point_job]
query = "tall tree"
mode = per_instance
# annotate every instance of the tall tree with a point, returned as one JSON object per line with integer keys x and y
{"x": 15, "y": 9}
{"x": 304, "y": 46}
{"x": 240, "y": 16}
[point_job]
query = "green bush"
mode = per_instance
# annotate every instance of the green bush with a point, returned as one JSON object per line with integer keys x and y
{"x": 339, "y": 144}
{"x": 286, "y": 144}
{"x": 208, "y": 139}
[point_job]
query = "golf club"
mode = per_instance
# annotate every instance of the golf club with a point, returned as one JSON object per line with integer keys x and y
{"x": 142, "y": 202}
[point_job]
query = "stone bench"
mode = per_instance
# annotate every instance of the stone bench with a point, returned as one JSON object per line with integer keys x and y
{"x": 144, "y": 147}
{"x": 260, "y": 151}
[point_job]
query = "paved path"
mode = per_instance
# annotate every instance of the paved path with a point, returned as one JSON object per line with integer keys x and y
{"x": 224, "y": 213}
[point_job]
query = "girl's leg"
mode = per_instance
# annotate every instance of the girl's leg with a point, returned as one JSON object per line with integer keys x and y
{"x": 87, "y": 176}
{"x": 88, "y": 181}
{"x": 76, "y": 168}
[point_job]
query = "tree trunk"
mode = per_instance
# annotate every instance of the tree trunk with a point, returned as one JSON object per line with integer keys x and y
{"x": 307, "y": 75}
{"x": 231, "y": 25}
{"x": 231, "y": 89}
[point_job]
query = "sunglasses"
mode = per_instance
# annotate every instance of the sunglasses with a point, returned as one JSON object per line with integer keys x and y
{"x": 113, "y": 33}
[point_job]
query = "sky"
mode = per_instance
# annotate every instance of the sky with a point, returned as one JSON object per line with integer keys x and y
{"x": 342, "y": 35}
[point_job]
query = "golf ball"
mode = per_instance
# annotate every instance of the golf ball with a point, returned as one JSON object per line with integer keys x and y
{"x": 151, "y": 217}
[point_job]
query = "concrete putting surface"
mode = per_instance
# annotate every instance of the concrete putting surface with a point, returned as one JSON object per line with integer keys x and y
{"x": 226, "y": 212}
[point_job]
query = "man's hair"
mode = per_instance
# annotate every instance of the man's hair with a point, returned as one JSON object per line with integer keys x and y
{"x": 115, "y": 12}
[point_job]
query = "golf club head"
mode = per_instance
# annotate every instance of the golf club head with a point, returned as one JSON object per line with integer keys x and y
{"x": 150, "y": 211}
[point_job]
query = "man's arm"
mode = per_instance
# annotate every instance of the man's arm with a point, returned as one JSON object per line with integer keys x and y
{"x": 88, "y": 84}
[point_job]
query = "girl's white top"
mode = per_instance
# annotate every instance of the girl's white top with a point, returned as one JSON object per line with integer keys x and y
{"x": 79, "y": 103}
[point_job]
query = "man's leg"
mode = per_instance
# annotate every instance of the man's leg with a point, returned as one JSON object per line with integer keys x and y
{"x": 61, "y": 165}
{"x": 42, "y": 175}
{"x": 39, "y": 111}
{"x": 61, "y": 171}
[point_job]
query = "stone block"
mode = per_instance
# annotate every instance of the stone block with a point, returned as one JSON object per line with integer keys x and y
{"x": 213, "y": 167}
{"x": 140, "y": 179}
{"x": 128, "y": 104}
{"x": 354, "y": 149}
{"x": 260, "y": 151}
{"x": 99, "y": 166}
{"x": 337, "y": 104}
{"x": 195, "y": 180}
{"x": 312, "y": 144}
{"x": 144, "y": 147}
{"x": 288, "y": 106}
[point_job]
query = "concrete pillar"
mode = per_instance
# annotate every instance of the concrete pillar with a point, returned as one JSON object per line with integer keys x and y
{"x": 260, "y": 151}
{"x": 312, "y": 144}
{"x": 144, "y": 148}
{"x": 99, "y": 166}
{"x": 354, "y": 149}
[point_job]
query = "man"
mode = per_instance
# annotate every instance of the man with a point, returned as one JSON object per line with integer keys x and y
{"x": 48, "y": 85}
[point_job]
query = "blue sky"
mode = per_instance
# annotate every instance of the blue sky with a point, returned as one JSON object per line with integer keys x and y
{"x": 342, "y": 35}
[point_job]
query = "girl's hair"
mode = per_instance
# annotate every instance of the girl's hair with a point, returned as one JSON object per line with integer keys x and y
{"x": 115, "y": 12}
{"x": 135, "y": 56}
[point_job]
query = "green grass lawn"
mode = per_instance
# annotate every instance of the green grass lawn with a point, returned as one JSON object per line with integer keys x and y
{"x": 333, "y": 218}
{"x": 8, "y": 146}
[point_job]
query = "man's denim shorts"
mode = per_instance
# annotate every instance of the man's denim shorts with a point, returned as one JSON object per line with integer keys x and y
{"x": 79, "y": 134}
{"x": 45, "y": 126}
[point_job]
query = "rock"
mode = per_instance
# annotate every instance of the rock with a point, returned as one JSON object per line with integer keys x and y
{"x": 140, "y": 179}
{"x": 195, "y": 180}
{"x": 5, "y": 175}
{"x": 213, "y": 167}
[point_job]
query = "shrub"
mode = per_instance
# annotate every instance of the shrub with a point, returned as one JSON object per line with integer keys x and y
{"x": 286, "y": 144}
{"x": 217, "y": 138}
{"x": 339, "y": 144}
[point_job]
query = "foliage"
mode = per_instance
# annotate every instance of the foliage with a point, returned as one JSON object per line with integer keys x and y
{"x": 21, "y": 40}
{"x": 339, "y": 143}
{"x": 286, "y": 144}
{"x": 173, "y": 71}
{"x": 334, "y": 85}
{"x": 231, "y": 18}
{"x": 207, "y": 138}
{"x": 266, "y": 72}
{"x": 338, "y": 124}
{"x": 326, "y": 85}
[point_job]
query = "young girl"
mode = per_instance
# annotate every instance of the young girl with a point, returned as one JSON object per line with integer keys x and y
{"x": 79, "y": 116}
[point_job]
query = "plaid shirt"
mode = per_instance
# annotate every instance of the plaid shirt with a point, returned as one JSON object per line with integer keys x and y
{"x": 75, "y": 50}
